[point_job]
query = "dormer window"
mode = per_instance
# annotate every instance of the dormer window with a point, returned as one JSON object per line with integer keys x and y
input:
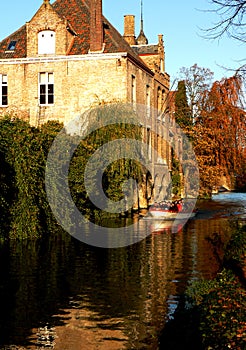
{"x": 12, "y": 46}
{"x": 46, "y": 42}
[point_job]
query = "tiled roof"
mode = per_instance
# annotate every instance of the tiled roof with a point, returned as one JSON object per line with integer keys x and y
{"x": 20, "y": 50}
{"x": 77, "y": 13}
{"x": 146, "y": 49}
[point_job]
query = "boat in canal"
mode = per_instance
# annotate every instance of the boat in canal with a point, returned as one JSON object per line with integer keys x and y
{"x": 163, "y": 214}
{"x": 168, "y": 210}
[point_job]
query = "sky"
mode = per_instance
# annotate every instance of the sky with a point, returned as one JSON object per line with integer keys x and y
{"x": 181, "y": 23}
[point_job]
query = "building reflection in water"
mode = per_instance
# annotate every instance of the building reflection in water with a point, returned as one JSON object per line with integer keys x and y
{"x": 92, "y": 298}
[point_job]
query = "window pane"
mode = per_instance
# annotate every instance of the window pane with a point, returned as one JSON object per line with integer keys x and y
{"x": 42, "y": 78}
{"x": 50, "y": 93}
{"x": 42, "y": 100}
{"x": 4, "y": 95}
{"x": 50, "y": 89}
{"x": 4, "y": 100}
{"x": 12, "y": 45}
{"x": 4, "y": 79}
{"x": 42, "y": 89}
{"x": 50, "y": 78}
{"x": 50, "y": 99}
{"x": 4, "y": 90}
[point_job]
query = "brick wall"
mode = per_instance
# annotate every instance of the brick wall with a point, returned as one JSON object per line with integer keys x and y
{"x": 47, "y": 19}
{"x": 78, "y": 85}
{"x": 96, "y": 26}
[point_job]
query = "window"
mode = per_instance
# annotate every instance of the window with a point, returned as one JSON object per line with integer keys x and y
{"x": 46, "y": 42}
{"x": 149, "y": 149}
{"x": 134, "y": 91}
{"x": 159, "y": 101}
{"x": 164, "y": 103}
{"x": 12, "y": 46}
{"x": 148, "y": 100}
{"x": 162, "y": 68}
{"x": 3, "y": 90}
{"x": 46, "y": 88}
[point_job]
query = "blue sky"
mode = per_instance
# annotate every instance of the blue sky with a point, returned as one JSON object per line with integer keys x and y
{"x": 178, "y": 20}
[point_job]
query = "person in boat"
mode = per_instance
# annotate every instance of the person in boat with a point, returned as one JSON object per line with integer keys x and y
{"x": 173, "y": 207}
{"x": 179, "y": 205}
{"x": 165, "y": 205}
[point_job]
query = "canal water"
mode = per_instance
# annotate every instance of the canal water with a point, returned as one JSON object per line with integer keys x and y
{"x": 59, "y": 293}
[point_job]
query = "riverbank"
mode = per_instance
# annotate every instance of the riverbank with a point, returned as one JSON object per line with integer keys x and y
{"x": 212, "y": 313}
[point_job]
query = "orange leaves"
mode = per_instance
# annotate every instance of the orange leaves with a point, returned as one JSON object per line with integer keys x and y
{"x": 220, "y": 131}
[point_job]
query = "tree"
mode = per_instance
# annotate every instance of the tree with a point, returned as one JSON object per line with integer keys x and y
{"x": 218, "y": 126}
{"x": 25, "y": 211}
{"x": 231, "y": 22}
{"x": 220, "y": 134}
{"x": 182, "y": 109}
{"x": 197, "y": 81}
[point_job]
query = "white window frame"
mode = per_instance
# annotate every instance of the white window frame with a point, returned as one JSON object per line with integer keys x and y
{"x": 46, "y": 88}
{"x": 3, "y": 86}
{"x": 46, "y": 42}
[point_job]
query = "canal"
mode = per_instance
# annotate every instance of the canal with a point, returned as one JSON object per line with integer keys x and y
{"x": 60, "y": 293}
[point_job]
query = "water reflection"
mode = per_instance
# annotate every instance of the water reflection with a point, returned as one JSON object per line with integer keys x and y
{"x": 60, "y": 293}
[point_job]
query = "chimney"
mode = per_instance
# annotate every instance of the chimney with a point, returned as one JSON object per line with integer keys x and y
{"x": 96, "y": 26}
{"x": 129, "y": 29}
{"x": 160, "y": 39}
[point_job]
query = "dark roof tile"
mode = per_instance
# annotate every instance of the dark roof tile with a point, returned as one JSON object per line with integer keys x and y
{"x": 146, "y": 49}
{"x": 20, "y": 49}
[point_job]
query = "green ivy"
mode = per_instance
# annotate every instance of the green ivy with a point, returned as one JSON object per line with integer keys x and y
{"x": 24, "y": 207}
{"x": 25, "y": 211}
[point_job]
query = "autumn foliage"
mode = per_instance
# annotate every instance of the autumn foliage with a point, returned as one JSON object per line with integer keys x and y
{"x": 218, "y": 135}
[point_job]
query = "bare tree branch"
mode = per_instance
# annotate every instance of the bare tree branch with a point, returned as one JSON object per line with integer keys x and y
{"x": 231, "y": 22}
{"x": 232, "y": 14}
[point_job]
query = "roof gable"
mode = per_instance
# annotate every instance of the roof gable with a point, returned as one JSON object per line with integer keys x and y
{"x": 77, "y": 15}
{"x": 46, "y": 6}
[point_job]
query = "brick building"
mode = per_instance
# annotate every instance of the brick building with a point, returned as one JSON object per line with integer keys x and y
{"x": 69, "y": 58}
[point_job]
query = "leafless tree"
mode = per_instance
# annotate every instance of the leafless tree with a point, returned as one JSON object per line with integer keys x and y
{"x": 232, "y": 19}
{"x": 197, "y": 81}
{"x": 231, "y": 22}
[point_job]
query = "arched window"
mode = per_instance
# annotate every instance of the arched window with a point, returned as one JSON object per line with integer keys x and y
{"x": 46, "y": 42}
{"x": 162, "y": 67}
